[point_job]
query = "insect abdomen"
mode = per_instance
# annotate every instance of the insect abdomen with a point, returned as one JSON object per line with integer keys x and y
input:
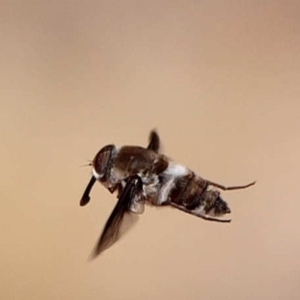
{"x": 190, "y": 194}
{"x": 187, "y": 190}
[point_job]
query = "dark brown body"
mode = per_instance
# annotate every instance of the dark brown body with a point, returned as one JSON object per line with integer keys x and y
{"x": 144, "y": 176}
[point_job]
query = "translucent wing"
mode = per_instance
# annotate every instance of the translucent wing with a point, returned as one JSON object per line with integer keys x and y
{"x": 154, "y": 141}
{"x": 121, "y": 218}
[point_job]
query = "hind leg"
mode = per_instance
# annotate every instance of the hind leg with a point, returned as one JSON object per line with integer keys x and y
{"x": 228, "y": 188}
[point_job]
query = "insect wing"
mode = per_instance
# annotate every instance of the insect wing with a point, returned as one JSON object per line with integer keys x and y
{"x": 154, "y": 141}
{"x": 121, "y": 219}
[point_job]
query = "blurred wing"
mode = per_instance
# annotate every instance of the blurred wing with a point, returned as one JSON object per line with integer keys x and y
{"x": 154, "y": 141}
{"x": 121, "y": 219}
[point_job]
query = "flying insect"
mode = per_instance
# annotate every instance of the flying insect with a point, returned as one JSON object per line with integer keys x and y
{"x": 143, "y": 176}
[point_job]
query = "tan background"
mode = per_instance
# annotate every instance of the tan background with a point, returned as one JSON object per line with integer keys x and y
{"x": 220, "y": 81}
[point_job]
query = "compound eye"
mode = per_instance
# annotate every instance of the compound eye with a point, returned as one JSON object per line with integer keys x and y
{"x": 101, "y": 161}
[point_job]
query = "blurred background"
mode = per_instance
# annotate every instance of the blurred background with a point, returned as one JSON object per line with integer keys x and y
{"x": 220, "y": 82}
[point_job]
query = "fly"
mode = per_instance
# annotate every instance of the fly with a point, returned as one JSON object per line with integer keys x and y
{"x": 142, "y": 176}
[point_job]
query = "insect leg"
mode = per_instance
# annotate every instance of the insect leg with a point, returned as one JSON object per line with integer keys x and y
{"x": 198, "y": 215}
{"x": 227, "y": 188}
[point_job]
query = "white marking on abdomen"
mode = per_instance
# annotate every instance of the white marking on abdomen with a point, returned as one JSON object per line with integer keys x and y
{"x": 199, "y": 211}
{"x": 165, "y": 191}
{"x": 170, "y": 174}
{"x": 176, "y": 170}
